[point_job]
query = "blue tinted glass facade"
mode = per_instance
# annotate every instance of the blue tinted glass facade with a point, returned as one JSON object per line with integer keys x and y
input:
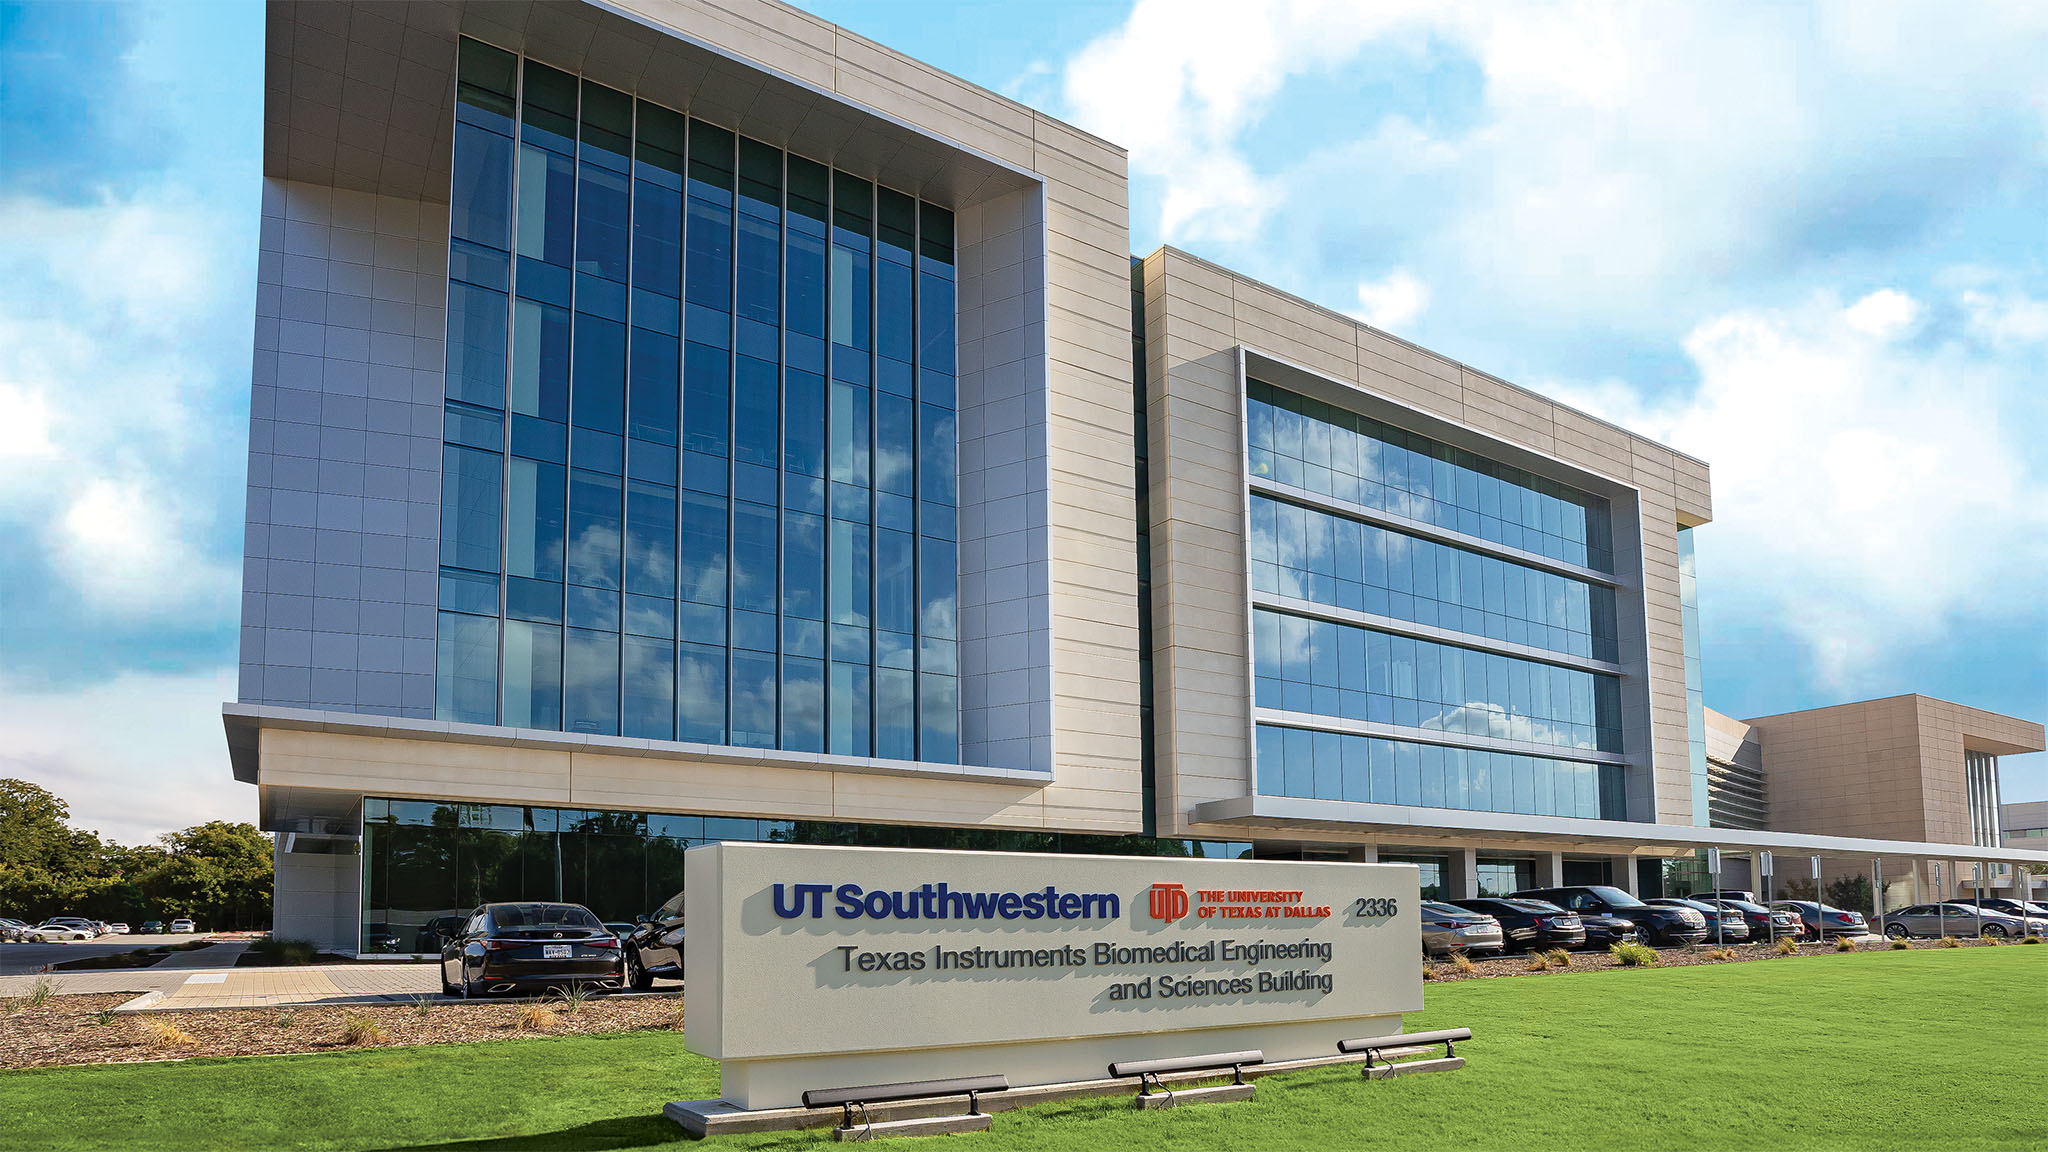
{"x": 700, "y": 474}
{"x": 1295, "y": 440}
{"x": 1310, "y": 554}
{"x": 1360, "y": 554}
{"x": 1695, "y": 692}
{"x": 1331, "y": 669}
{"x": 1314, "y": 765}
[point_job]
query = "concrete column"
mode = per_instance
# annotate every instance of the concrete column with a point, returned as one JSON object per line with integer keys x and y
{"x": 1461, "y": 879}
{"x": 1550, "y": 869}
{"x": 1365, "y": 853}
{"x": 1623, "y": 870}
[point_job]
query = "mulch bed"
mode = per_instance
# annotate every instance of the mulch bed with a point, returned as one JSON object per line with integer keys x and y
{"x": 81, "y": 1030}
{"x": 1598, "y": 961}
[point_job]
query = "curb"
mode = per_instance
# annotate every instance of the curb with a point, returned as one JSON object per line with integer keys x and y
{"x": 141, "y": 1003}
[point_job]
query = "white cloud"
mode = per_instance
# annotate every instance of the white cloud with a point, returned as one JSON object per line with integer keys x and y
{"x": 115, "y": 318}
{"x": 1867, "y": 494}
{"x": 1393, "y": 301}
{"x": 135, "y": 757}
{"x": 1884, "y": 314}
{"x": 1618, "y": 153}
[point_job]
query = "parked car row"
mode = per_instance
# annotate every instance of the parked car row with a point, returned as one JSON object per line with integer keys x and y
{"x": 1600, "y": 915}
{"x": 77, "y": 928}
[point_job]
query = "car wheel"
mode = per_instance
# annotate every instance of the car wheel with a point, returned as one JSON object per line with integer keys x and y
{"x": 1997, "y": 930}
{"x": 1897, "y": 931}
{"x": 637, "y": 976}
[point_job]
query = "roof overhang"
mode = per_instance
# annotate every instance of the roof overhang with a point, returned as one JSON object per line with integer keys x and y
{"x": 1558, "y": 833}
{"x": 359, "y": 95}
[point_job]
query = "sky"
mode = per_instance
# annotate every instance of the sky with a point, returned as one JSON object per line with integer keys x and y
{"x": 1806, "y": 244}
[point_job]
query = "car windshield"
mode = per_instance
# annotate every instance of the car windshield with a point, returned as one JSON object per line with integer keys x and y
{"x": 1743, "y": 906}
{"x": 543, "y": 916}
{"x": 1615, "y": 897}
{"x": 1542, "y": 906}
{"x": 1435, "y": 908}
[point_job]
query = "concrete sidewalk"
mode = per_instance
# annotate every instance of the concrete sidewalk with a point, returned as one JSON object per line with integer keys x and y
{"x": 220, "y": 986}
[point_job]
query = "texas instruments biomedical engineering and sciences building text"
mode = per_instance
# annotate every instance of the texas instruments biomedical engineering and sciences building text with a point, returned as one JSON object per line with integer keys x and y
{"x": 678, "y": 421}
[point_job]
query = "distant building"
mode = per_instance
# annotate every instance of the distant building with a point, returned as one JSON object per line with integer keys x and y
{"x": 676, "y": 422}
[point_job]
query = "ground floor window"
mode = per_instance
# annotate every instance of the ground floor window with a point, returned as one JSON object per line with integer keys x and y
{"x": 426, "y": 863}
{"x": 1499, "y": 877}
{"x": 1433, "y": 869}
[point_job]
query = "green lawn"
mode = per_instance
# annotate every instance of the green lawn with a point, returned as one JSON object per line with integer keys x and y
{"x": 1931, "y": 1048}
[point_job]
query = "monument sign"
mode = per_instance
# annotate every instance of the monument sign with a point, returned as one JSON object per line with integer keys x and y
{"x": 811, "y": 967}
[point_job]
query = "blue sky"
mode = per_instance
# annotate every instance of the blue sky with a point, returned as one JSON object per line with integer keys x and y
{"x": 1803, "y": 243}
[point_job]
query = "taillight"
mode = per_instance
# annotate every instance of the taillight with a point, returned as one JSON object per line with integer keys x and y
{"x": 603, "y": 941}
{"x": 504, "y": 945}
{"x": 1446, "y": 923}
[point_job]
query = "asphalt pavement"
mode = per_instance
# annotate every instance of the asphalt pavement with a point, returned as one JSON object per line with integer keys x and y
{"x": 20, "y": 959}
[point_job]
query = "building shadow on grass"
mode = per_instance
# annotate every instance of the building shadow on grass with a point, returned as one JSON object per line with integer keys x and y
{"x": 617, "y": 1132}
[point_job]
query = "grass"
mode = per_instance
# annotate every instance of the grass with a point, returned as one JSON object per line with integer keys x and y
{"x": 1612, "y": 1059}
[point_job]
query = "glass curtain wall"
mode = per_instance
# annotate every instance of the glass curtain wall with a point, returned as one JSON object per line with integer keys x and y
{"x": 1317, "y": 667}
{"x": 700, "y": 461}
{"x": 1326, "y": 450}
{"x": 424, "y": 860}
{"x": 1316, "y": 765}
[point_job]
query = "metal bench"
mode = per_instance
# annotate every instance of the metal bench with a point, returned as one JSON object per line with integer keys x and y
{"x": 859, "y": 1096}
{"x": 1149, "y": 1072}
{"x": 1375, "y": 1047}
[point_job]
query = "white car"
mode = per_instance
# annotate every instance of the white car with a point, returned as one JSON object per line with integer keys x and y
{"x": 118, "y": 929}
{"x": 184, "y": 926}
{"x": 12, "y": 929}
{"x": 44, "y": 933}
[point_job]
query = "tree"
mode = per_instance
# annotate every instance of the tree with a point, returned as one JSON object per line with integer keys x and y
{"x": 1851, "y": 893}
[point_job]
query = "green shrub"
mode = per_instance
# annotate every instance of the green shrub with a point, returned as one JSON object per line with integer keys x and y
{"x": 1951, "y": 942}
{"x": 1537, "y": 963}
{"x": 276, "y": 953}
{"x": 1633, "y": 955}
{"x": 362, "y": 1029}
{"x": 1900, "y": 946}
{"x": 1844, "y": 944}
{"x": 1559, "y": 958}
{"x": 1787, "y": 946}
{"x": 2031, "y": 940}
{"x": 1460, "y": 963}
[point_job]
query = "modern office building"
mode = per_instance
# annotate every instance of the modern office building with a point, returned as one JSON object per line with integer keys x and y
{"x": 678, "y": 421}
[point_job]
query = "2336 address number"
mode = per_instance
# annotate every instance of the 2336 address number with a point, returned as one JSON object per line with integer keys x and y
{"x": 1375, "y": 906}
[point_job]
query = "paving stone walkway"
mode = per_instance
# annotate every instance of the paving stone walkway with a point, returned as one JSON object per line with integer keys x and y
{"x": 227, "y": 987}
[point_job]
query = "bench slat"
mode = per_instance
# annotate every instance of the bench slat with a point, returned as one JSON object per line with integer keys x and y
{"x": 1404, "y": 1039}
{"x": 1123, "y": 1068}
{"x": 903, "y": 1090}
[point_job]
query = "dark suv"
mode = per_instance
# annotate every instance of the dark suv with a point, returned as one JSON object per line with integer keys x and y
{"x": 1655, "y": 924}
{"x": 656, "y": 947}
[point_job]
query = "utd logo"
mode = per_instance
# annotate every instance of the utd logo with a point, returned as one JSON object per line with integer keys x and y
{"x": 1169, "y": 901}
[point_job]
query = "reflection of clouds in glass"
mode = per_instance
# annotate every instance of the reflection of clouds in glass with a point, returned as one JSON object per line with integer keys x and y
{"x": 704, "y": 579}
{"x": 892, "y": 469}
{"x": 700, "y": 682}
{"x": 937, "y": 617}
{"x": 594, "y": 555}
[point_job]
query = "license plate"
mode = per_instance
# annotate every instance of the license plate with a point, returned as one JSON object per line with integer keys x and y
{"x": 1475, "y": 930}
{"x": 557, "y": 951}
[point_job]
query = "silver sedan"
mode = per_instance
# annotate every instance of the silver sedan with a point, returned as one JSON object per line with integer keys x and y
{"x": 1447, "y": 928}
{"x": 1949, "y": 919}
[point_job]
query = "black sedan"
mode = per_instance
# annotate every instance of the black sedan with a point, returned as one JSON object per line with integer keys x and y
{"x": 1655, "y": 924}
{"x": 1530, "y": 924}
{"x": 1765, "y": 924}
{"x": 1724, "y": 925}
{"x": 1605, "y": 931}
{"x": 656, "y": 946}
{"x": 506, "y": 947}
